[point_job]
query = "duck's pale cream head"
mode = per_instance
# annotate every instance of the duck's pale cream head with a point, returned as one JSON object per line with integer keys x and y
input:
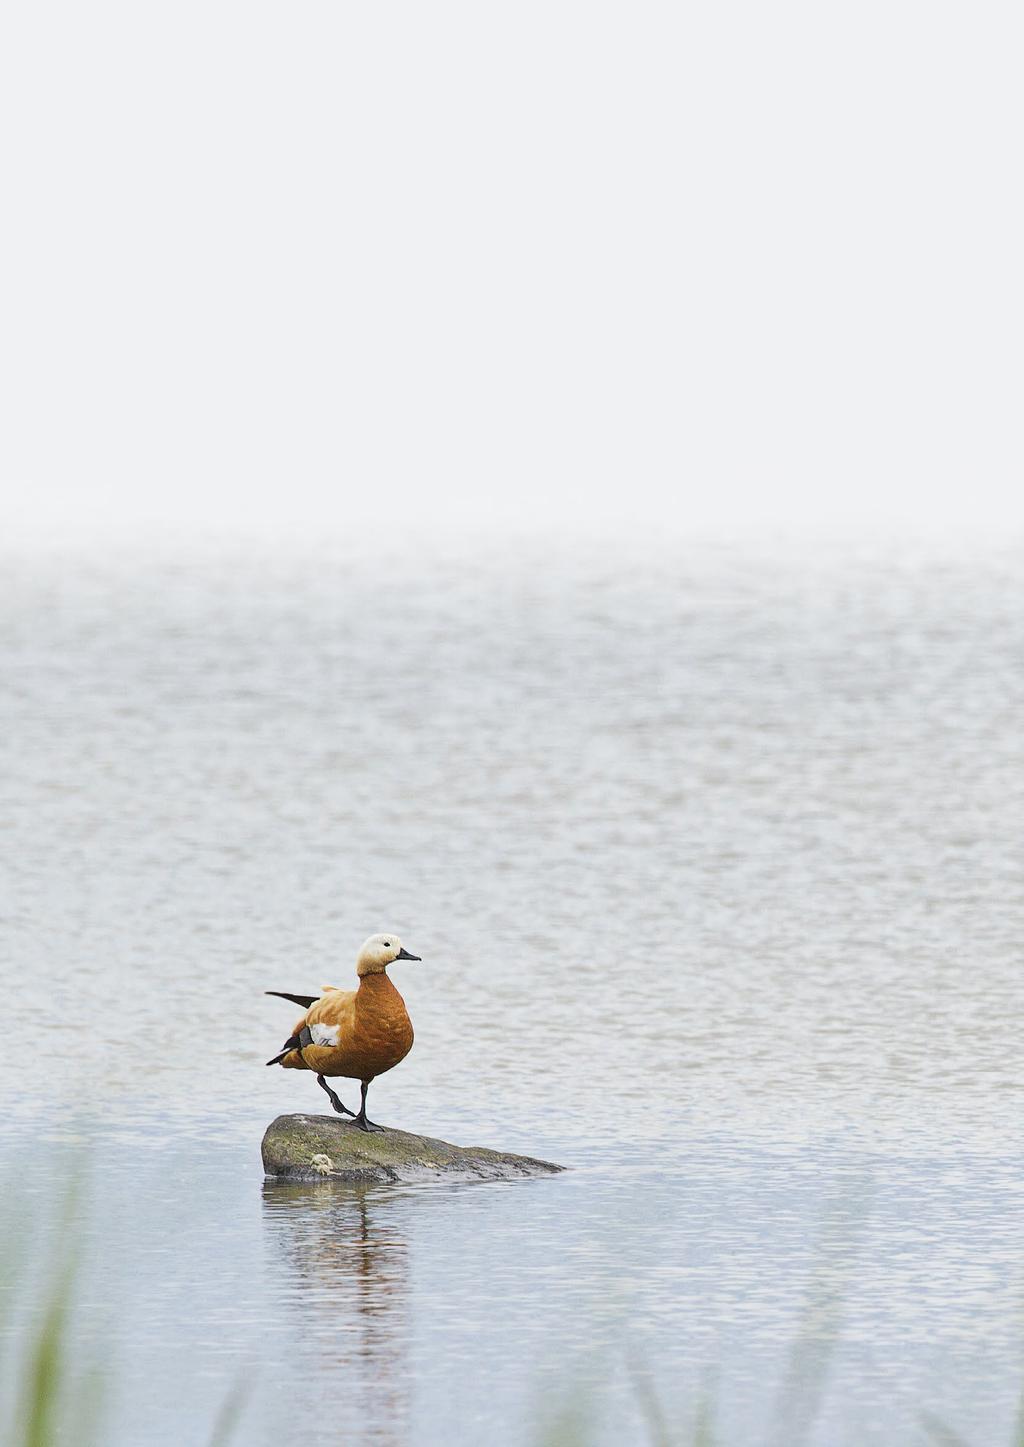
{"x": 378, "y": 952}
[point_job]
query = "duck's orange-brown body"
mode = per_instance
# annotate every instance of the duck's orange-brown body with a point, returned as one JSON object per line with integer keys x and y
{"x": 370, "y": 1025}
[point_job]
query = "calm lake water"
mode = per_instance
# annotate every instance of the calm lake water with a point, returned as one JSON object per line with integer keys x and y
{"x": 714, "y": 861}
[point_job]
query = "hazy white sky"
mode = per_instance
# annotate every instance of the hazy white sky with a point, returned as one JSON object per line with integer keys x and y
{"x": 655, "y": 265}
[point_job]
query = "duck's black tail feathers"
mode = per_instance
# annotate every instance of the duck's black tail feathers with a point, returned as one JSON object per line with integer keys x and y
{"x": 298, "y": 1041}
{"x": 294, "y": 1041}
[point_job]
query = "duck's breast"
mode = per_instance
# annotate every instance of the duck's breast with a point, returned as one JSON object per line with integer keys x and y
{"x": 383, "y": 1033}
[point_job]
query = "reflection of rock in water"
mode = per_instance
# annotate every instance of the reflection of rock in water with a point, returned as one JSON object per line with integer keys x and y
{"x": 351, "y": 1271}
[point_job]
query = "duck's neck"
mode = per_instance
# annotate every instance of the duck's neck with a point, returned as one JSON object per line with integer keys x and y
{"x": 375, "y": 988}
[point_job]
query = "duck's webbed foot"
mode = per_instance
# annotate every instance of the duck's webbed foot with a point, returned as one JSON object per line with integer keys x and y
{"x": 368, "y": 1125}
{"x": 336, "y": 1100}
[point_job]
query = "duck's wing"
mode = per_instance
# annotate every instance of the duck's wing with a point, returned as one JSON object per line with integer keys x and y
{"x": 331, "y": 1020}
{"x": 327, "y": 1021}
{"x": 334, "y": 1007}
{"x": 304, "y": 1000}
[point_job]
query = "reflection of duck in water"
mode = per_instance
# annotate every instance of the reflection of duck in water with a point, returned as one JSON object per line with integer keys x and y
{"x": 342, "y": 1249}
{"x": 357, "y": 1033}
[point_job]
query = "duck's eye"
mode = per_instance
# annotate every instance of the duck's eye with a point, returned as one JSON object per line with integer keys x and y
{"x": 387, "y": 944}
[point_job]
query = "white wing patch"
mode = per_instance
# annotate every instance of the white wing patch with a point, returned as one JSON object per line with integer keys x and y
{"x": 324, "y": 1034}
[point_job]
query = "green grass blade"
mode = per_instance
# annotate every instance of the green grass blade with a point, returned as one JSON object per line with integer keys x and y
{"x": 940, "y": 1432}
{"x": 229, "y": 1415}
{"x": 46, "y": 1369}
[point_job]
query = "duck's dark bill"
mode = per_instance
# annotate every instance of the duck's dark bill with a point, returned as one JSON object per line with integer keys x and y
{"x": 403, "y": 954}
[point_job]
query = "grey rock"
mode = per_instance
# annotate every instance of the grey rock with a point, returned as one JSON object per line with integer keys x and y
{"x": 322, "y": 1147}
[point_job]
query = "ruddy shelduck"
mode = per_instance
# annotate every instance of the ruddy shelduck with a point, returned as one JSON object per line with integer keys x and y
{"x": 356, "y": 1033}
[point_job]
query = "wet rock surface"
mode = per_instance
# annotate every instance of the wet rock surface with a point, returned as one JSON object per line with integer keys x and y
{"x": 323, "y": 1147}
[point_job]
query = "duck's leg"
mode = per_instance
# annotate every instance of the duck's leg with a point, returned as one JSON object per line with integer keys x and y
{"x": 335, "y": 1100}
{"x": 360, "y": 1119}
